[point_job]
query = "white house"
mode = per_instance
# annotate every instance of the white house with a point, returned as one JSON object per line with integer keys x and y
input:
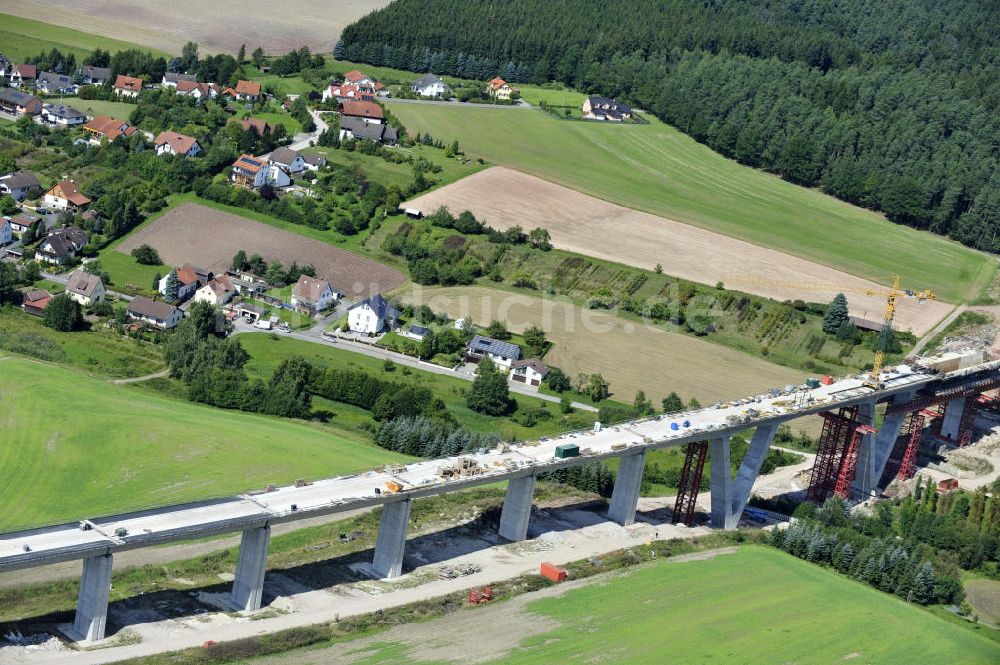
{"x": 313, "y": 160}
{"x": 64, "y": 195}
{"x": 530, "y": 372}
{"x": 254, "y": 172}
{"x": 313, "y": 294}
{"x": 128, "y": 86}
{"x": 171, "y": 79}
{"x": 61, "y": 244}
{"x": 52, "y": 83}
{"x": 187, "y": 282}
{"x": 503, "y": 354}
{"x": 19, "y": 184}
{"x": 216, "y": 292}
{"x": 172, "y": 143}
{"x": 6, "y": 232}
{"x": 157, "y": 314}
{"x": 371, "y": 316}
{"x": 414, "y": 331}
{"x": 62, "y": 116}
{"x": 287, "y": 159}
{"x": 85, "y": 288}
{"x": 428, "y": 85}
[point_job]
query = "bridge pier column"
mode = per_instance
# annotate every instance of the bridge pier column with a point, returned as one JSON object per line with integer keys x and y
{"x": 92, "y": 602}
{"x": 951, "y": 424}
{"x": 625, "y": 497}
{"x": 391, "y": 542}
{"x": 746, "y": 475}
{"x": 248, "y": 586}
{"x": 516, "y": 511}
{"x": 876, "y": 448}
{"x": 722, "y": 482}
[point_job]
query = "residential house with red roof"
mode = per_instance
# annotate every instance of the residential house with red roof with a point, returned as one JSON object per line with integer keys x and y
{"x": 128, "y": 86}
{"x": 105, "y": 127}
{"x": 23, "y": 75}
{"x": 367, "y": 111}
{"x": 313, "y": 295}
{"x": 172, "y": 143}
{"x": 500, "y": 89}
{"x": 189, "y": 278}
{"x": 64, "y": 195}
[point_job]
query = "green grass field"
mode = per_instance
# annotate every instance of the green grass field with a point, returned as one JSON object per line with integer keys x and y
{"x": 79, "y": 447}
{"x": 389, "y": 173}
{"x": 22, "y": 37}
{"x": 754, "y": 606}
{"x": 120, "y": 110}
{"x": 657, "y": 169}
{"x": 266, "y": 352}
{"x": 550, "y": 94}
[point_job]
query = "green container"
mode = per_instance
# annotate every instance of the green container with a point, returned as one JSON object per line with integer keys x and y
{"x": 812, "y": 383}
{"x": 567, "y": 450}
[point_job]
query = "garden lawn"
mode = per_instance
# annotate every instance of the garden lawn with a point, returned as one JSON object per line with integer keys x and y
{"x": 657, "y": 169}
{"x": 108, "y": 449}
{"x": 267, "y": 351}
{"x": 22, "y": 38}
{"x": 120, "y": 110}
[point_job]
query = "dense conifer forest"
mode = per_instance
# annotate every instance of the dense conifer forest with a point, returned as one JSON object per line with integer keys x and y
{"x": 893, "y": 105}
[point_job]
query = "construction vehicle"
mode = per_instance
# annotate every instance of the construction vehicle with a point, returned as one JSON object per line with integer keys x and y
{"x": 891, "y": 296}
{"x": 393, "y": 486}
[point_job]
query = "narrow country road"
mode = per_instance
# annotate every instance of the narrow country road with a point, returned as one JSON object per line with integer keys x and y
{"x": 302, "y": 141}
{"x": 156, "y": 375}
{"x": 923, "y": 341}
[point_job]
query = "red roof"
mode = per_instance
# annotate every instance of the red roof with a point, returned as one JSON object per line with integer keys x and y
{"x": 249, "y": 163}
{"x": 110, "y": 127}
{"x": 258, "y": 125}
{"x": 66, "y": 189}
{"x": 26, "y": 71}
{"x": 354, "y": 76}
{"x": 179, "y": 143}
{"x": 362, "y": 110}
{"x": 248, "y": 88}
{"x": 129, "y": 83}
{"x": 497, "y": 83}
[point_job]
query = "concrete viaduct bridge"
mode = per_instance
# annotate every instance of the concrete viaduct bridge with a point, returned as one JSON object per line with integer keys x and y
{"x": 848, "y": 404}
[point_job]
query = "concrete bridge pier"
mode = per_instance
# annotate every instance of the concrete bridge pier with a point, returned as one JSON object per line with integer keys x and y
{"x": 876, "y": 448}
{"x": 391, "y": 542}
{"x": 952, "y": 421}
{"x": 735, "y": 492}
{"x": 516, "y": 511}
{"x": 92, "y": 602}
{"x": 625, "y": 497}
{"x": 248, "y": 586}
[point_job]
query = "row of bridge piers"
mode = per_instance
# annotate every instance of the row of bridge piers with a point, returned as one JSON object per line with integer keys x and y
{"x": 851, "y": 458}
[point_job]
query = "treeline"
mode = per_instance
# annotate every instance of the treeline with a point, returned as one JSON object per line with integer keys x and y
{"x": 385, "y": 399}
{"x": 429, "y": 437}
{"x": 893, "y": 109}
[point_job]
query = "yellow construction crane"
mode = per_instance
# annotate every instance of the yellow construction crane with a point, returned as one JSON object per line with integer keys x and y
{"x": 891, "y": 295}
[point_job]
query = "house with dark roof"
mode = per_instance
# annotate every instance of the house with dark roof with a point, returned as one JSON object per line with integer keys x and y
{"x": 154, "y": 313}
{"x": 428, "y": 85}
{"x": 367, "y": 111}
{"x": 19, "y": 103}
{"x": 94, "y": 75}
{"x": 530, "y": 372}
{"x": 255, "y": 172}
{"x": 5, "y": 65}
{"x": 372, "y": 315}
{"x": 85, "y": 288}
{"x": 21, "y": 223}
{"x": 172, "y": 143}
{"x": 314, "y": 161}
{"x": 61, "y": 245}
{"x": 19, "y": 185}
{"x": 602, "y": 108}
{"x": 62, "y": 116}
{"x": 503, "y": 354}
{"x": 360, "y": 129}
{"x": 64, "y": 195}
{"x": 312, "y": 294}
{"x": 415, "y": 331}
{"x": 6, "y": 232}
{"x": 52, "y": 83}
{"x": 171, "y": 79}
{"x": 288, "y": 159}
{"x": 128, "y": 86}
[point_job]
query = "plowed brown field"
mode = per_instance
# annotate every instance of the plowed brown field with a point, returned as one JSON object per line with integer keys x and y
{"x": 209, "y": 238}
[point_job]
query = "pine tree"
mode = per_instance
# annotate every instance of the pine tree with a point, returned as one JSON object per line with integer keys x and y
{"x": 836, "y": 314}
{"x": 172, "y": 287}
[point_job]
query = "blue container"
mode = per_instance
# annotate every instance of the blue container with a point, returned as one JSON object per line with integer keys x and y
{"x": 687, "y": 423}
{"x": 674, "y": 426}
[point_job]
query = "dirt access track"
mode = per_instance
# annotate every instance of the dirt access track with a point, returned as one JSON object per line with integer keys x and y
{"x": 278, "y": 27}
{"x": 209, "y": 238}
{"x": 503, "y": 197}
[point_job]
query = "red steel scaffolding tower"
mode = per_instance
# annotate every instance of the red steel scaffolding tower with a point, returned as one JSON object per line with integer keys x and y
{"x": 687, "y": 491}
{"x": 914, "y": 432}
{"x": 834, "y": 440}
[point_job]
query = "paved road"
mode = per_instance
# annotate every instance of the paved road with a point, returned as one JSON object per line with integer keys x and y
{"x": 315, "y": 335}
{"x": 301, "y": 141}
{"x": 441, "y": 102}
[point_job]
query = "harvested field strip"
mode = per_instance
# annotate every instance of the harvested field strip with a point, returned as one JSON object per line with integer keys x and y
{"x": 584, "y": 224}
{"x": 631, "y": 356}
{"x": 656, "y": 169}
{"x": 209, "y": 238}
